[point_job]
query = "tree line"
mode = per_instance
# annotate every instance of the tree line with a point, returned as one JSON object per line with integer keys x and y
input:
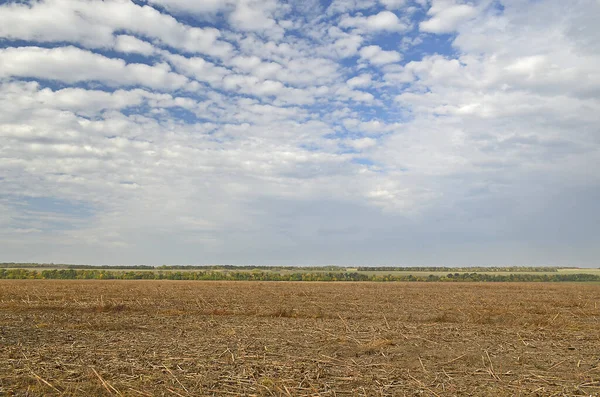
{"x": 170, "y": 267}
{"x": 328, "y": 268}
{"x": 469, "y": 269}
{"x": 95, "y": 274}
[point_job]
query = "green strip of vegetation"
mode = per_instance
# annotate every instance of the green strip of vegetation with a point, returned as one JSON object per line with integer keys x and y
{"x": 298, "y": 269}
{"x": 491, "y": 269}
{"x": 14, "y": 265}
{"x": 85, "y": 274}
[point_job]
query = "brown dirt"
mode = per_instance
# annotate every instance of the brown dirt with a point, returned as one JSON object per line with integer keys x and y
{"x": 170, "y": 338}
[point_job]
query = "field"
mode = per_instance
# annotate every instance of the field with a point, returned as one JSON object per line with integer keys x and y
{"x": 179, "y": 338}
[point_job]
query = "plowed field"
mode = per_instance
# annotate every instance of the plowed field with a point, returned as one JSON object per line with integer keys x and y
{"x": 161, "y": 338}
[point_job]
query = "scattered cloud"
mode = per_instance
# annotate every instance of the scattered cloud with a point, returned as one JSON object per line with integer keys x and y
{"x": 446, "y": 15}
{"x": 73, "y": 65}
{"x": 131, "y": 44}
{"x": 377, "y": 56}
{"x": 383, "y": 21}
{"x": 393, "y": 4}
{"x": 233, "y": 131}
{"x": 362, "y": 80}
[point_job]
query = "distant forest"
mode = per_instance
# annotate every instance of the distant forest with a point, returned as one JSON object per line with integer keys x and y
{"x": 469, "y": 269}
{"x": 106, "y": 274}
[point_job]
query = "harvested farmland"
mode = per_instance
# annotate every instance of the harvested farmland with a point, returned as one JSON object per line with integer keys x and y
{"x": 203, "y": 338}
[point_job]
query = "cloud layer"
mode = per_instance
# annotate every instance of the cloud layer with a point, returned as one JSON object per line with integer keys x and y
{"x": 353, "y": 132}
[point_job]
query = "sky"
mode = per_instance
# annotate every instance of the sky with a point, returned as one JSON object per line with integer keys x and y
{"x": 300, "y": 132}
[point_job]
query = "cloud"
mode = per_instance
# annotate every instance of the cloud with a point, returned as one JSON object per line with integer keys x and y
{"x": 253, "y": 131}
{"x": 347, "y": 46}
{"x": 130, "y": 44}
{"x": 192, "y": 6}
{"x": 47, "y": 21}
{"x": 383, "y": 21}
{"x": 377, "y": 56}
{"x": 72, "y": 65}
{"x": 252, "y": 15}
{"x": 362, "y": 143}
{"x": 363, "y": 80}
{"x": 446, "y": 16}
{"x": 244, "y": 15}
{"x": 393, "y": 4}
{"x": 92, "y": 24}
{"x": 198, "y": 68}
{"x": 298, "y": 71}
{"x": 341, "y": 6}
{"x": 371, "y": 127}
{"x": 344, "y": 45}
{"x": 28, "y": 97}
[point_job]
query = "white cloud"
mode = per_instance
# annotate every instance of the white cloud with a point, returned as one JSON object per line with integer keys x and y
{"x": 47, "y": 21}
{"x": 347, "y": 46}
{"x": 130, "y": 44}
{"x": 234, "y": 138}
{"x": 243, "y": 15}
{"x": 193, "y": 6}
{"x": 393, "y": 4}
{"x": 87, "y": 101}
{"x": 377, "y": 56}
{"x": 255, "y": 15}
{"x": 398, "y": 76}
{"x": 92, "y": 24}
{"x": 383, "y": 21}
{"x": 446, "y": 16}
{"x": 527, "y": 66}
{"x": 298, "y": 71}
{"x": 372, "y": 127}
{"x": 362, "y": 143}
{"x": 246, "y": 63}
{"x": 344, "y": 45}
{"x": 354, "y": 95}
{"x": 198, "y": 69}
{"x": 342, "y": 6}
{"x": 438, "y": 69}
{"x": 363, "y": 80}
{"x": 72, "y": 65}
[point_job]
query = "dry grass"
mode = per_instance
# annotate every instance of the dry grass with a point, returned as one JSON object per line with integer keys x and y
{"x": 148, "y": 338}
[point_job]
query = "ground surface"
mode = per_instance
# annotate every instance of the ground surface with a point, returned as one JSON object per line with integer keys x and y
{"x": 181, "y": 338}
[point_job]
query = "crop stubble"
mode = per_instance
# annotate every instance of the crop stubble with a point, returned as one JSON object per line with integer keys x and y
{"x": 137, "y": 338}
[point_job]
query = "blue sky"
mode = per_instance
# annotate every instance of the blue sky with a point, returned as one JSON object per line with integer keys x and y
{"x": 416, "y": 132}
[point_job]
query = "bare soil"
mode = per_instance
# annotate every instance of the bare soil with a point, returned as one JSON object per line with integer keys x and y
{"x": 177, "y": 338}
